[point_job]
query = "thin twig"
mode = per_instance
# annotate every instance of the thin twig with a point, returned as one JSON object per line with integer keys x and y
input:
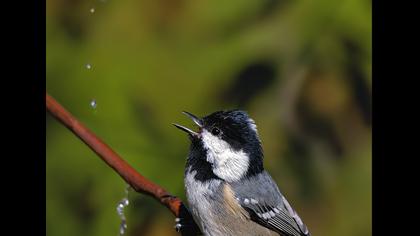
{"x": 138, "y": 182}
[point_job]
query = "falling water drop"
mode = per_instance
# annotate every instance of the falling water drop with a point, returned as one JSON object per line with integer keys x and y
{"x": 92, "y": 10}
{"x": 120, "y": 210}
{"x": 88, "y": 66}
{"x": 93, "y": 104}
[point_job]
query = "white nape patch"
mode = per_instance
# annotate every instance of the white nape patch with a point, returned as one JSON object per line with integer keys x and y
{"x": 252, "y": 124}
{"x": 228, "y": 164}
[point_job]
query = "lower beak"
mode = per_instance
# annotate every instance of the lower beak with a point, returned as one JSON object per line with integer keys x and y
{"x": 190, "y": 132}
{"x": 195, "y": 119}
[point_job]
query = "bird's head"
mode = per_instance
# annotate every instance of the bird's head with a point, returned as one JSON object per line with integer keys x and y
{"x": 228, "y": 141}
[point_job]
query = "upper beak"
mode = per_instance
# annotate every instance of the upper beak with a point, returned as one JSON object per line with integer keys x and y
{"x": 195, "y": 119}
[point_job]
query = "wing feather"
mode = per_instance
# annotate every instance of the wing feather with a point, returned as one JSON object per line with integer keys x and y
{"x": 279, "y": 221}
{"x": 267, "y": 206}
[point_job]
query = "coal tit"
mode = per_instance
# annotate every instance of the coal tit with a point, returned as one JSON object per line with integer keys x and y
{"x": 228, "y": 190}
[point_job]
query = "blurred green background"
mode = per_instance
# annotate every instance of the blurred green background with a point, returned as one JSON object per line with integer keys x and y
{"x": 302, "y": 69}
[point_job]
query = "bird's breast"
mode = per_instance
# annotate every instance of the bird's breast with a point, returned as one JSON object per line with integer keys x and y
{"x": 216, "y": 209}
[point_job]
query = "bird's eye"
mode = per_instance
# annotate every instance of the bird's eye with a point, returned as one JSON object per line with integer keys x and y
{"x": 215, "y": 131}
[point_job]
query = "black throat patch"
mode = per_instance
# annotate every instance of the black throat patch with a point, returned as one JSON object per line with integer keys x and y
{"x": 197, "y": 161}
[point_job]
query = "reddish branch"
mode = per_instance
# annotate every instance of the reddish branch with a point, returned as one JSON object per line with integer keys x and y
{"x": 138, "y": 182}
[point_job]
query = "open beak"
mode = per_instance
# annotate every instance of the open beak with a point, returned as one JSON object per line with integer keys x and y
{"x": 195, "y": 119}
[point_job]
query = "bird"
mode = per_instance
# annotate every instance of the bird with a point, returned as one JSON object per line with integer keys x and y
{"x": 228, "y": 190}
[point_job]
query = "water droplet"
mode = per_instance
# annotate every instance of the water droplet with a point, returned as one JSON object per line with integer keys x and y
{"x": 92, "y": 10}
{"x": 120, "y": 210}
{"x": 88, "y": 66}
{"x": 93, "y": 104}
{"x": 127, "y": 190}
{"x": 122, "y": 229}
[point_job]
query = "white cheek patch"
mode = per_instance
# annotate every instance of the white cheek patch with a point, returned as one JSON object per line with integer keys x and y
{"x": 228, "y": 164}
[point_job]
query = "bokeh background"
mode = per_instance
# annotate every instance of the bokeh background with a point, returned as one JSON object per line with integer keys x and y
{"x": 302, "y": 69}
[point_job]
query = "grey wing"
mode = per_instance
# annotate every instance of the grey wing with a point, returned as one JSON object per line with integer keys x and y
{"x": 266, "y": 206}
